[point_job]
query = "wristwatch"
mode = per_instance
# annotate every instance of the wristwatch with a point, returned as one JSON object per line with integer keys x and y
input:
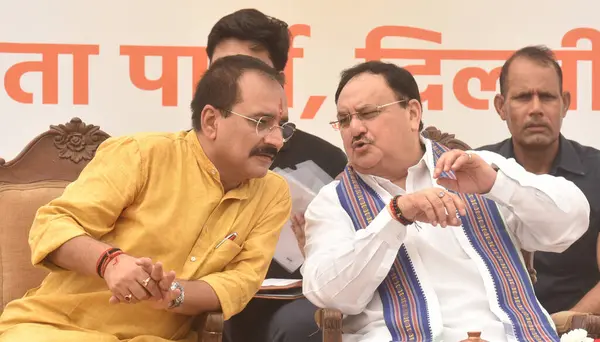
{"x": 179, "y": 300}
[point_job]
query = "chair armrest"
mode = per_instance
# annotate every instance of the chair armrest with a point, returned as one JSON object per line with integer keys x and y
{"x": 330, "y": 322}
{"x": 566, "y": 321}
{"x": 209, "y": 327}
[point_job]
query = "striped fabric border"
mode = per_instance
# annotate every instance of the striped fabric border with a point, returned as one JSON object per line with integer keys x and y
{"x": 404, "y": 303}
{"x": 487, "y": 233}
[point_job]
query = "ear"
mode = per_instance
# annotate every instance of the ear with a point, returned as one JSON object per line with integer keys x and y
{"x": 282, "y": 78}
{"x": 209, "y": 120}
{"x": 284, "y": 106}
{"x": 415, "y": 112}
{"x": 499, "y": 105}
{"x": 566, "y": 97}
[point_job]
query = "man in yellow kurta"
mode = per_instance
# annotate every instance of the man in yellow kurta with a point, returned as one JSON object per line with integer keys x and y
{"x": 200, "y": 203}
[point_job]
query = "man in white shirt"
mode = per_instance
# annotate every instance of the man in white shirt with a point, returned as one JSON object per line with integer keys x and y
{"x": 416, "y": 242}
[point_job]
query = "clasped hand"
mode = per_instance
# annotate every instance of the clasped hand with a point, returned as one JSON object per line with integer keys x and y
{"x": 132, "y": 280}
{"x": 438, "y": 206}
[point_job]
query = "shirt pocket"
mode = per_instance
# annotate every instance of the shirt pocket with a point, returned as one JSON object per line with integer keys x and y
{"x": 223, "y": 255}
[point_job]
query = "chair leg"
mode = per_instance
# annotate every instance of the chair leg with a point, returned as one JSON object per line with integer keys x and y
{"x": 330, "y": 322}
{"x": 213, "y": 328}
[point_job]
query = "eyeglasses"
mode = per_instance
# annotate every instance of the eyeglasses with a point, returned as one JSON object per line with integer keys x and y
{"x": 265, "y": 125}
{"x": 368, "y": 112}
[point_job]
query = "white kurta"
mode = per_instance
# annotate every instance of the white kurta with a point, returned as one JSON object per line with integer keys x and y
{"x": 344, "y": 267}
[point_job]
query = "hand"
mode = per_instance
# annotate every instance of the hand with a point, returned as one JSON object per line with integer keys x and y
{"x": 298, "y": 228}
{"x": 434, "y": 205}
{"x": 164, "y": 280}
{"x": 126, "y": 279}
{"x": 473, "y": 174}
{"x": 161, "y": 280}
{"x": 168, "y": 298}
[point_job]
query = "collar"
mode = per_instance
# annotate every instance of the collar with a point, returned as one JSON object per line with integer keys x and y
{"x": 207, "y": 167}
{"x": 567, "y": 158}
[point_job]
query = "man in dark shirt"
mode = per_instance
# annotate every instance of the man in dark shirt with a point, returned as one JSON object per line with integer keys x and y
{"x": 533, "y": 104}
{"x": 251, "y": 32}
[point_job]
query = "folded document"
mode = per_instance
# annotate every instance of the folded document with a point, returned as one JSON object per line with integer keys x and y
{"x": 284, "y": 289}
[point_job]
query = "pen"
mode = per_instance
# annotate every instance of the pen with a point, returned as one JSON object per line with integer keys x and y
{"x": 231, "y": 237}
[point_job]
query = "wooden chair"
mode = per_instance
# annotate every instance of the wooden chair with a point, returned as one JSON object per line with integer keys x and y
{"x": 330, "y": 320}
{"x": 36, "y": 176}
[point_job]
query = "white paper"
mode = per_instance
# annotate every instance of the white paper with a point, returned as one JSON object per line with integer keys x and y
{"x": 311, "y": 176}
{"x": 287, "y": 252}
{"x": 279, "y": 282}
{"x": 304, "y": 183}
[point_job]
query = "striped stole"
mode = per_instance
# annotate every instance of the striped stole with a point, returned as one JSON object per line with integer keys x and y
{"x": 405, "y": 303}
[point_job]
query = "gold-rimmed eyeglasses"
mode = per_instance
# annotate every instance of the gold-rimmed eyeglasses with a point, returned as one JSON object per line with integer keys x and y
{"x": 265, "y": 125}
{"x": 367, "y": 112}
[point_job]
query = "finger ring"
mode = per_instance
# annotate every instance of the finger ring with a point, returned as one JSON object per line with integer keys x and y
{"x": 441, "y": 194}
{"x": 128, "y": 298}
{"x": 145, "y": 282}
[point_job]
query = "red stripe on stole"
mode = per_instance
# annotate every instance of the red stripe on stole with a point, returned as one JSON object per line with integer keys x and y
{"x": 395, "y": 307}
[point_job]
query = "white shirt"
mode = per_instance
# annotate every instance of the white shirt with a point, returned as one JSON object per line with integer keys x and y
{"x": 344, "y": 267}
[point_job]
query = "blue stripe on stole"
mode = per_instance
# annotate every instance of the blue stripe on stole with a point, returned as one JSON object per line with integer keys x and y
{"x": 487, "y": 233}
{"x": 404, "y": 302}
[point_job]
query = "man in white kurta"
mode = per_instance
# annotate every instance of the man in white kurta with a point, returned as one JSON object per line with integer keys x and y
{"x": 444, "y": 277}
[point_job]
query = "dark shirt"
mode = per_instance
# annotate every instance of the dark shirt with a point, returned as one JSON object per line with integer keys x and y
{"x": 564, "y": 278}
{"x": 300, "y": 148}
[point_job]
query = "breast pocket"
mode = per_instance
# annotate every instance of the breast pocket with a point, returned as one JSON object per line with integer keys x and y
{"x": 223, "y": 255}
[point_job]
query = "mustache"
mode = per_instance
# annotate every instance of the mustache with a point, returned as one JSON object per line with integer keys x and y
{"x": 267, "y": 151}
{"x": 362, "y": 139}
{"x": 535, "y": 124}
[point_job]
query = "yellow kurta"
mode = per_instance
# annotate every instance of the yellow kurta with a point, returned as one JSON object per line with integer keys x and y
{"x": 157, "y": 196}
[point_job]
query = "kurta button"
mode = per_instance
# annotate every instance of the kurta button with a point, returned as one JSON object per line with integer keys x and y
{"x": 192, "y": 259}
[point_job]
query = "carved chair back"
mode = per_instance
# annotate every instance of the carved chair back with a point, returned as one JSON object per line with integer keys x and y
{"x": 36, "y": 176}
